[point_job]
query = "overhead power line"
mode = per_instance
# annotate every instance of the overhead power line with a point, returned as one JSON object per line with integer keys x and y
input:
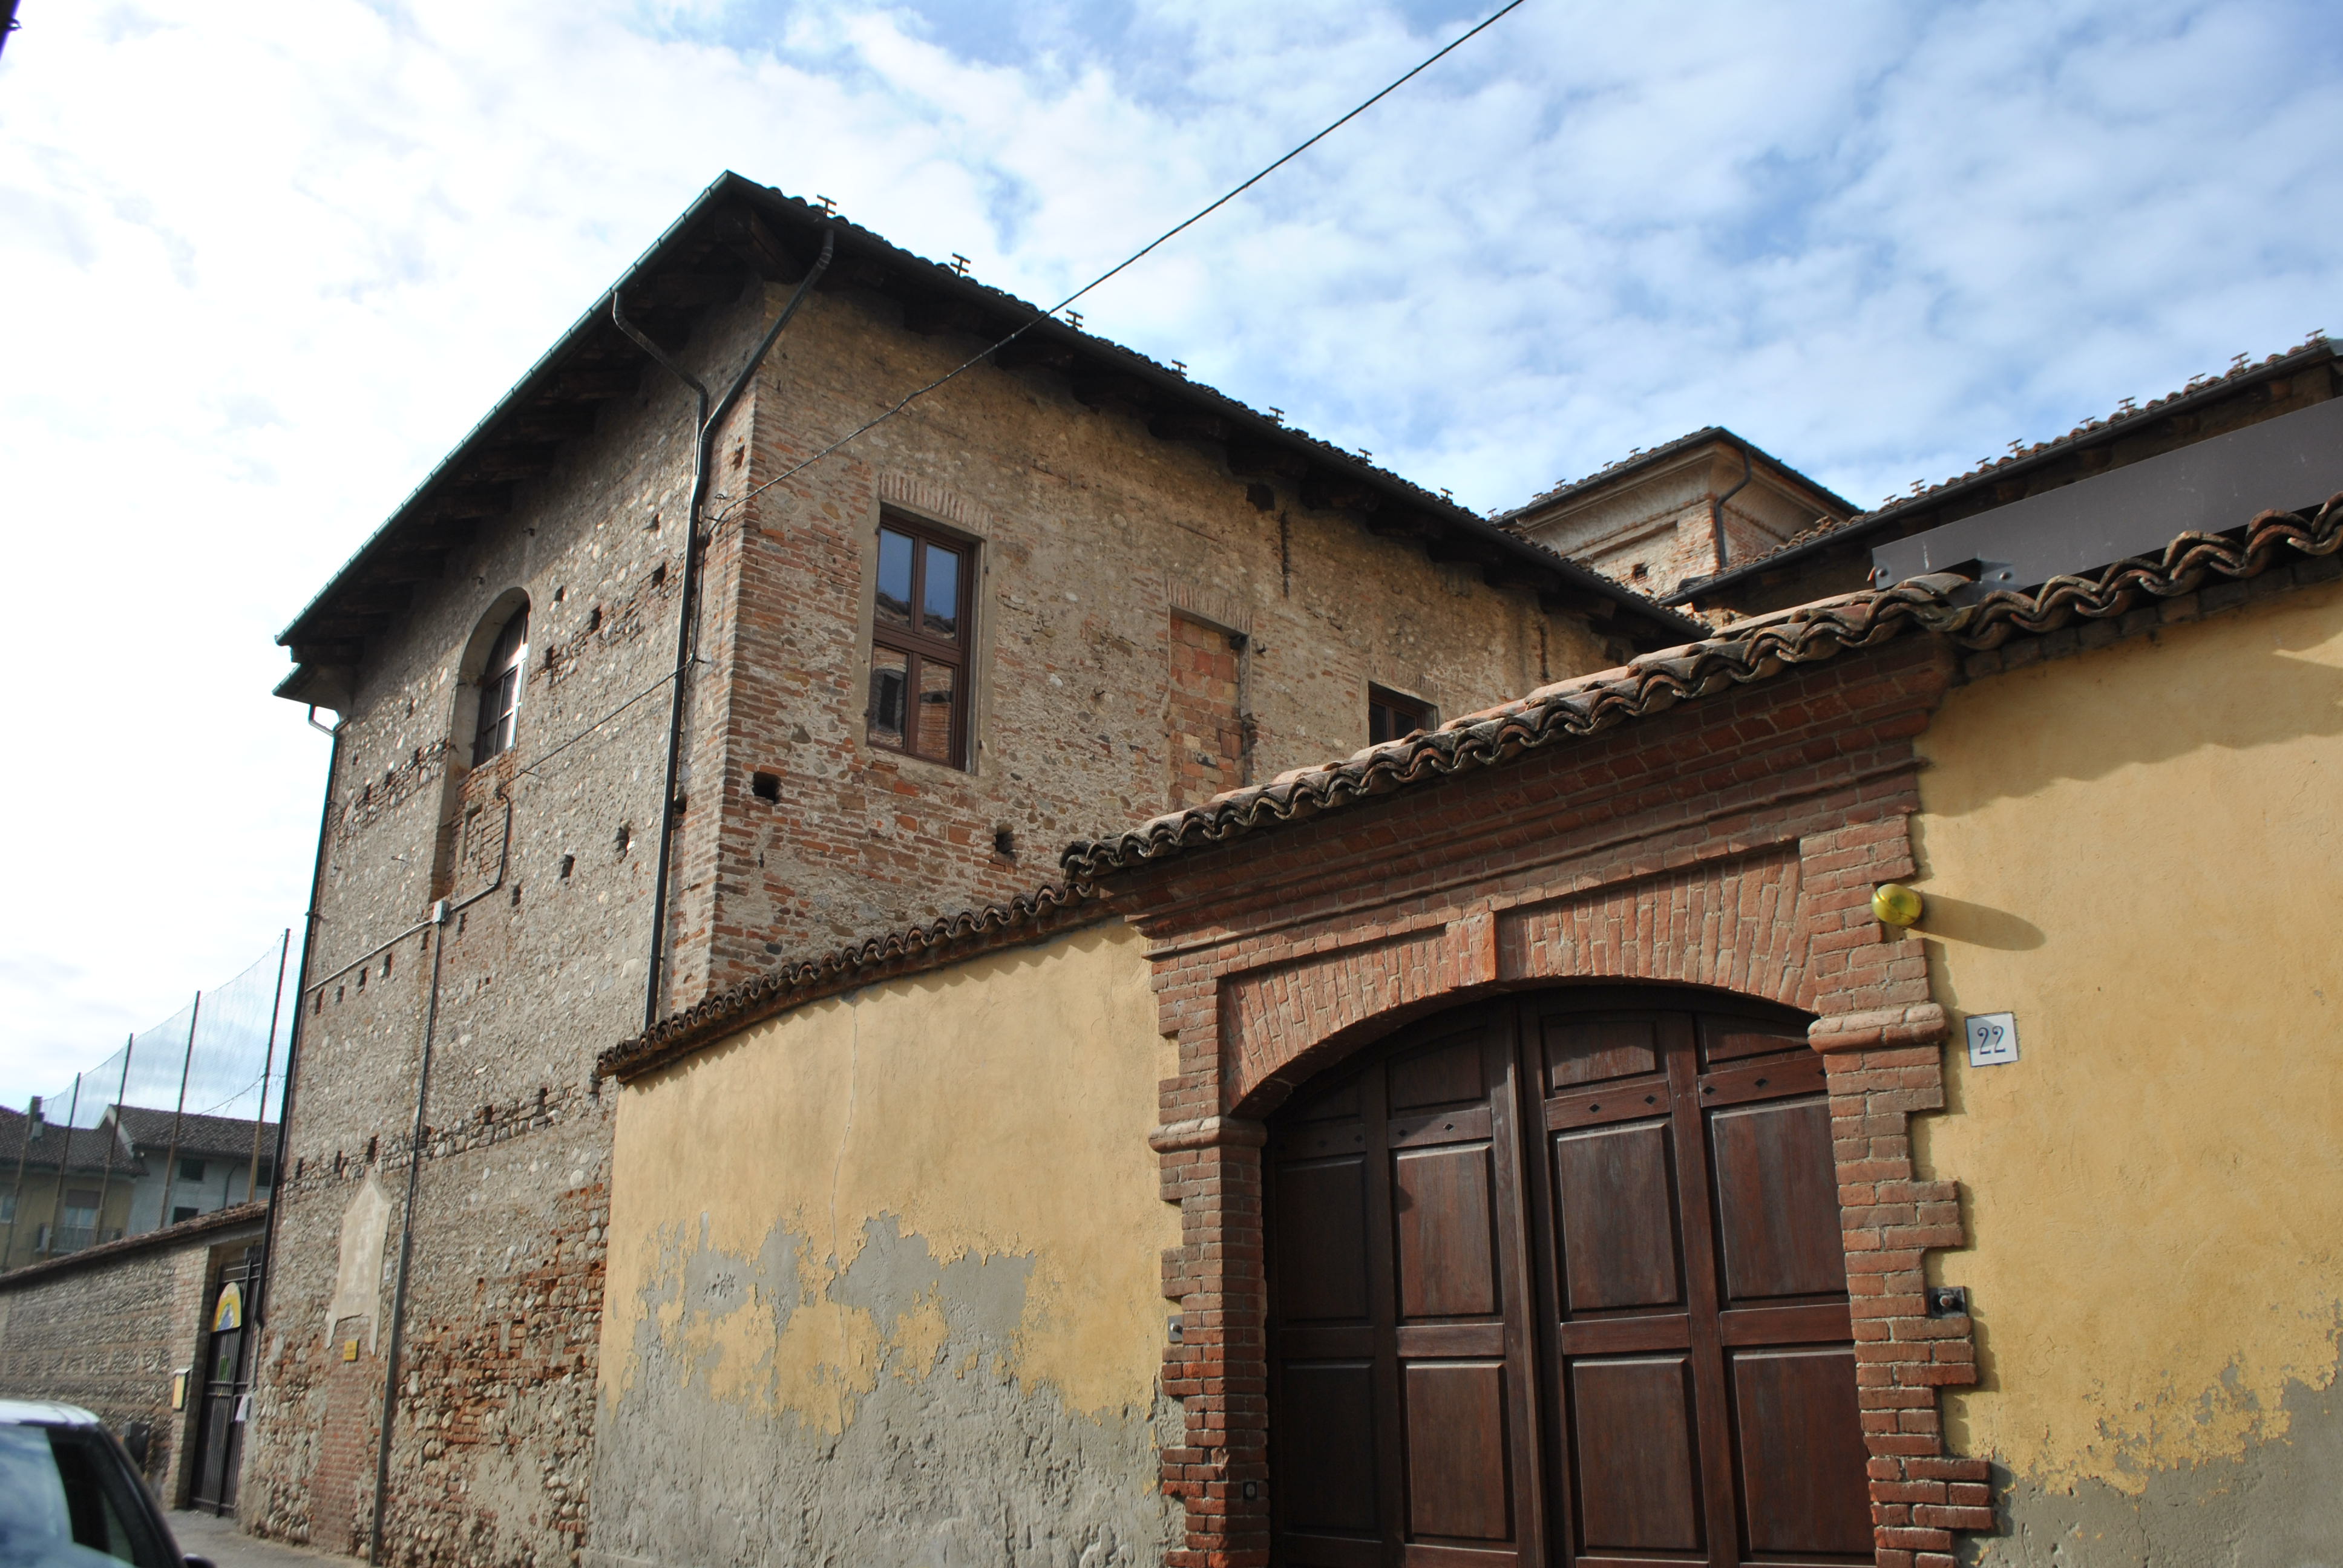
{"x": 1189, "y": 221}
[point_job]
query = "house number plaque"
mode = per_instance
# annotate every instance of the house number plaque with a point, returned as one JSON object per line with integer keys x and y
{"x": 1993, "y": 1038}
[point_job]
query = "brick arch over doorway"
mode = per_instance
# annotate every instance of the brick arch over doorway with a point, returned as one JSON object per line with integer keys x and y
{"x": 1732, "y": 845}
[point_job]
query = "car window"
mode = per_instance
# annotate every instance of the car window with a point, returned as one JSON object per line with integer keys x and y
{"x": 66, "y": 1501}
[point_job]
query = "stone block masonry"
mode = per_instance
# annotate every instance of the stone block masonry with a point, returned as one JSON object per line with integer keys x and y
{"x": 106, "y": 1329}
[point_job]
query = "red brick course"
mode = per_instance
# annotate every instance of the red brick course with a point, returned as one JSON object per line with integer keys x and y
{"x": 1732, "y": 843}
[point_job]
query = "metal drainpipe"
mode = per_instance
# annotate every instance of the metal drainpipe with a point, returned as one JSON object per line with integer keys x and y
{"x": 406, "y": 1242}
{"x": 301, "y": 997}
{"x": 687, "y": 624}
{"x": 440, "y": 912}
{"x": 258, "y": 1310}
{"x": 1717, "y": 511}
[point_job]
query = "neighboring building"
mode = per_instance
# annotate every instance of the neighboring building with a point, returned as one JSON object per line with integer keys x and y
{"x": 62, "y": 1188}
{"x": 1525, "y": 1142}
{"x": 1837, "y": 557}
{"x": 1681, "y": 512}
{"x": 190, "y": 1165}
{"x": 631, "y": 770}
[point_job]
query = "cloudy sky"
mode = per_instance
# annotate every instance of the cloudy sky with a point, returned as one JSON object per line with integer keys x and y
{"x": 265, "y": 263}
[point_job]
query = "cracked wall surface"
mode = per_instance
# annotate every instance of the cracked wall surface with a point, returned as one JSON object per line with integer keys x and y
{"x": 883, "y": 1280}
{"x": 2133, "y": 850}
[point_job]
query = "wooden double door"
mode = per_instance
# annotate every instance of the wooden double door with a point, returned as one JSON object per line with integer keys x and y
{"x": 1559, "y": 1280}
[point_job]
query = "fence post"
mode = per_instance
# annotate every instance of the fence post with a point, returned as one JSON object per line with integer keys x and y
{"x": 171, "y": 1159}
{"x": 64, "y": 1161}
{"x": 267, "y": 1062}
{"x": 105, "y": 1182}
{"x": 16, "y": 1201}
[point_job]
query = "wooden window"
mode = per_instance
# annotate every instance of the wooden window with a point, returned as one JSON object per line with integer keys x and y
{"x": 500, "y": 690}
{"x": 919, "y": 643}
{"x": 1391, "y": 716}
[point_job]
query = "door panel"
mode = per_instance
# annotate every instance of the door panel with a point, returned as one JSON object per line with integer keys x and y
{"x": 1456, "y": 1451}
{"x": 1328, "y": 1482}
{"x": 1442, "y": 1201}
{"x": 1322, "y": 1226}
{"x": 1638, "y": 1485}
{"x": 1793, "y": 1407}
{"x": 1615, "y": 1190}
{"x": 1777, "y": 1201}
{"x": 1450, "y": 1073}
{"x": 1560, "y": 1280}
{"x": 1578, "y": 1053}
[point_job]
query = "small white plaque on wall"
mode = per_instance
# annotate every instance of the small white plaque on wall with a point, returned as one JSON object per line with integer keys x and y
{"x": 1993, "y": 1038}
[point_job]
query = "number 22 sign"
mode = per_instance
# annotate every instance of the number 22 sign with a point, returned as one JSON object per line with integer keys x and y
{"x": 1993, "y": 1038}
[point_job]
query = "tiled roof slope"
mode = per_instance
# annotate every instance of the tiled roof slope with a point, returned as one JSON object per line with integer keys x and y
{"x": 2199, "y": 390}
{"x": 1049, "y": 907}
{"x": 669, "y": 285}
{"x": 147, "y": 1128}
{"x": 1754, "y": 649}
{"x": 87, "y": 1148}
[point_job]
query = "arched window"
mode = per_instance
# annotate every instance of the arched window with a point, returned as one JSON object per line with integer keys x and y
{"x": 500, "y": 680}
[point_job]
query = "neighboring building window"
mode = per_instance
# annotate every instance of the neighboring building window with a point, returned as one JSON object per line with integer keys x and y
{"x": 919, "y": 645}
{"x": 500, "y": 689}
{"x": 8, "y": 1208}
{"x": 183, "y": 1214}
{"x": 191, "y": 1170}
{"x": 78, "y": 1226}
{"x": 1391, "y": 716}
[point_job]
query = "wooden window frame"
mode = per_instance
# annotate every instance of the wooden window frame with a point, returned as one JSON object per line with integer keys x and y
{"x": 1402, "y": 708}
{"x": 920, "y": 649}
{"x": 497, "y": 727}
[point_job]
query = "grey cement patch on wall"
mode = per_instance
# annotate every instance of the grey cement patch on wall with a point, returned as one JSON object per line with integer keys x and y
{"x": 2279, "y": 1505}
{"x": 939, "y": 1465}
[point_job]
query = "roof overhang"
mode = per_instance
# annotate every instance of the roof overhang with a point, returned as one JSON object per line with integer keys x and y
{"x": 737, "y": 230}
{"x": 1899, "y": 518}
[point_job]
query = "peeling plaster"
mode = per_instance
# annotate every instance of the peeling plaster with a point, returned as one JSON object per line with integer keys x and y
{"x": 787, "y": 1410}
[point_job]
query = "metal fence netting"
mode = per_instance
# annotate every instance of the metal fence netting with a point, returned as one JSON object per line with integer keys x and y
{"x": 180, "y": 1122}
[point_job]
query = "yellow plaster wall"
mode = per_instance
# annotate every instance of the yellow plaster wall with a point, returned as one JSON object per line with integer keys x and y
{"x": 996, "y": 1109}
{"x": 2137, "y": 851}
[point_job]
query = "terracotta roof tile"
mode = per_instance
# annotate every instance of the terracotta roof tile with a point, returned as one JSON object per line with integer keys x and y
{"x": 1751, "y": 650}
{"x": 1756, "y": 648}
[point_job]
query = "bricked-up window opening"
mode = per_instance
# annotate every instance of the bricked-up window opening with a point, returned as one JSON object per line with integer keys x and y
{"x": 1205, "y": 711}
{"x": 1391, "y": 716}
{"x": 500, "y": 690}
{"x": 919, "y": 645}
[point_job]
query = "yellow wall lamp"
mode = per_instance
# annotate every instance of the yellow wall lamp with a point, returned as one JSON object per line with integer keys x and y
{"x": 1893, "y": 904}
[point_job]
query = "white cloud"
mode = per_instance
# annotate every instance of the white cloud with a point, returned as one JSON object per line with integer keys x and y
{"x": 268, "y": 261}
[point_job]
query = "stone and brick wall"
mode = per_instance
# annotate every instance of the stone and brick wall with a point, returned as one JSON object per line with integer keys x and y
{"x": 1732, "y": 843}
{"x": 1090, "y": 532}
{"x": 106, "y": 1329}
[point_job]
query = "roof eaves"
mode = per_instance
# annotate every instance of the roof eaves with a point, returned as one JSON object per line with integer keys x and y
{"x": 1629, "y": 466}
{"x": 1260, "y": 427}
{"x": 723, "y": 186}
{"x": 2315, "y": 350}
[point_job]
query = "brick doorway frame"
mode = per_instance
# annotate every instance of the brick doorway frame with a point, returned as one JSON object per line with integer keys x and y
{"x": 1732, "y": 845}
